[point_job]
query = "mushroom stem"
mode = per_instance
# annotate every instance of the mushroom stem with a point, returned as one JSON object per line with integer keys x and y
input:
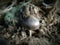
{"x": 31, "y": 32}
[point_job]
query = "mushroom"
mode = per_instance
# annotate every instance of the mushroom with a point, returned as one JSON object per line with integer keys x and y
{"x": 32, "y": 23}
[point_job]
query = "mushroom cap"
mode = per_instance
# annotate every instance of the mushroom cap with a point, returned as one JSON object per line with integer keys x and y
{"x": 32, "y": 23}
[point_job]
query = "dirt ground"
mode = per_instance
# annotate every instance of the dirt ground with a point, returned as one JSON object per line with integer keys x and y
{"x": 48, "y": 34}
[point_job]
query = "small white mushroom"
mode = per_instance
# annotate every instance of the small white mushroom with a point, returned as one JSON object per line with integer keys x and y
{"x": 32, "y": 23}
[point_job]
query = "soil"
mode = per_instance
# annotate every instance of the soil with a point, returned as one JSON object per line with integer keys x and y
{"x": 47, "y": 34}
